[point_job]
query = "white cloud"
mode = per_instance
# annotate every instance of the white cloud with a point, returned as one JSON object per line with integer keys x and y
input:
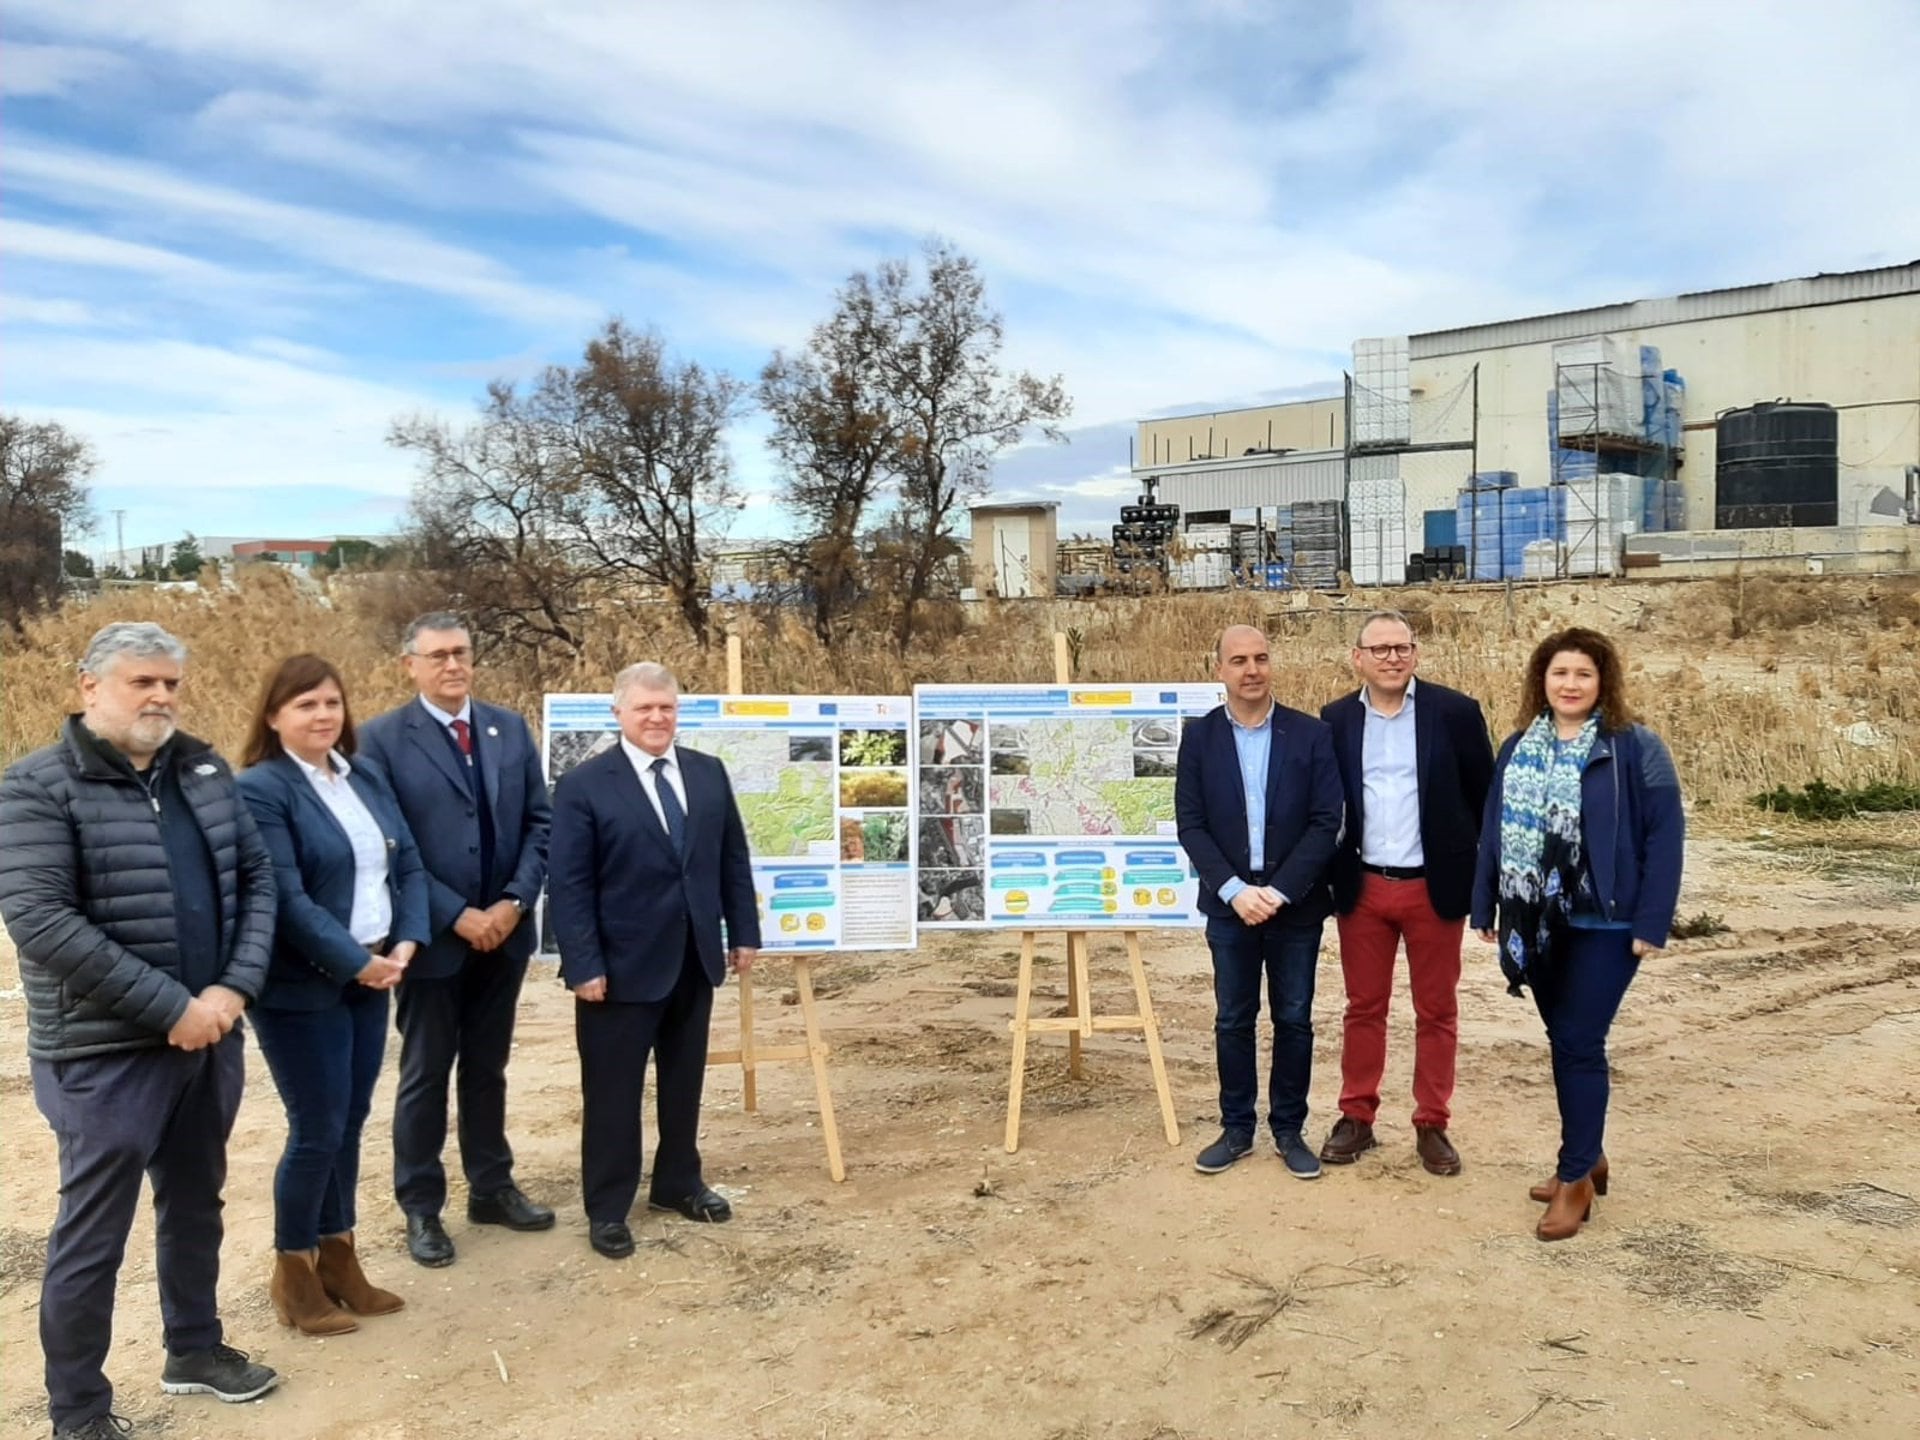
{"x": 373, "y": 249}
{"x": 49, "y": 312}
{"x": 42, "y": 70}
{"x": 27, "y": 240}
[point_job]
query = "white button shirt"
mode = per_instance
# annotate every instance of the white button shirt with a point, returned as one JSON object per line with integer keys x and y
{"x": 642, "y": 764}
{"x": 1390, "y": 786}
{"x": 372, "y": 917}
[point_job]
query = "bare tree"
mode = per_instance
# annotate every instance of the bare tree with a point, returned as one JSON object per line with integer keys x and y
{"x": 43, "y": 498}
{"x": 836, "y": 434}
{"x": 646, "y": 437}
{"x": 936, "y": 349}
{"x": 483, "y": 517}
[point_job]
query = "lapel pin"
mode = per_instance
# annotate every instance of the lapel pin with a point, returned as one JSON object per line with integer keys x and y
{"x": 206, "y": 769}
{"x": 493, "y": 732}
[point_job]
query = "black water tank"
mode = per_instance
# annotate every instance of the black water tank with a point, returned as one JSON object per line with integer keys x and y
{"x": 1776, "y": 465}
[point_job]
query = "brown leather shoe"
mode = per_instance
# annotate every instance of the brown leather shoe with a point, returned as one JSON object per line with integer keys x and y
{"x": 1436, "y": 1151}
{"x": 299, "y": 1300}
{"x": 1544, "y": 1191}
{"x": 1347, "y": 1141}
{"x": 343, "y": 1279}
{"x": 1566, "y": 1212}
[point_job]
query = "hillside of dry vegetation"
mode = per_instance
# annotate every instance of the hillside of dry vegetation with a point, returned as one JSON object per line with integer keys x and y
{"x": 1754, "y": 682}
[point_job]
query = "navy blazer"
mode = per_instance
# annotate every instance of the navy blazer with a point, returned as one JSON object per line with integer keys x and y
{"x": 1303, "y": 811}
{"x": 621, "y": 903}
{"x": 314, "y": 954}
{"x": 1633, "y": 833}
{"x": 1454, "y": 766}
{"x": 409, "y": 748}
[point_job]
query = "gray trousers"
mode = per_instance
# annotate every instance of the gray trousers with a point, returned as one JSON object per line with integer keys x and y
{"x": 163, "y": 1113}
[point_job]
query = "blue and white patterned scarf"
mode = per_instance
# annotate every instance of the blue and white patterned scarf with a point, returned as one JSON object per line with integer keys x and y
{"x": 1540, "y": 862}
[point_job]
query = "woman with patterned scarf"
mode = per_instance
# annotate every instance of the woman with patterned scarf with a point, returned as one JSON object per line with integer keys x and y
{"x": 1580, "y": 855}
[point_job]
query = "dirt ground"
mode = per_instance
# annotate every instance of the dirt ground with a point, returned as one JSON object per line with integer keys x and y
{"x": 1755, "y": 1271}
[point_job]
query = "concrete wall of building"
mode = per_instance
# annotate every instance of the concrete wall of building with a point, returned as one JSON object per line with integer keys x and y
{"x": 1862, "y": 356}
{"x": 1301, "y": 425}
{"x": 1807, "y": 550}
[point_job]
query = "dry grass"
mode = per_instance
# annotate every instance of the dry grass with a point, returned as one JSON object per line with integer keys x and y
{"x": 1753, "y": 683}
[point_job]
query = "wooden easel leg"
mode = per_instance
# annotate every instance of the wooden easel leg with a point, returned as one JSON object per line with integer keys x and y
{"x": 749, "y": 1086}
{"x": 1151, "y": 1027}
{"x": 1022, "y": 1011}
{"x": 817, "y": 1054}
{"x": 1079, "y": 1000}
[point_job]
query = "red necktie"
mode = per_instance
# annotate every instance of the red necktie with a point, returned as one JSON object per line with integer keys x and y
{"x": 463, "y": 737}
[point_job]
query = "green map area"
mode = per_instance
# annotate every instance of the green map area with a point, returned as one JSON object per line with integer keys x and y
{"x": 786, "y": 805}
{"x": 1080, "y": 781}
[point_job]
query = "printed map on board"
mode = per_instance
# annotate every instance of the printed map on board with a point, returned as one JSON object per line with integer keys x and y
{"x": 786, "y": 804}
{"x": 1081, "y": 780}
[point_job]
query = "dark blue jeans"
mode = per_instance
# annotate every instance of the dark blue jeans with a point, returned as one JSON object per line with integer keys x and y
{"x": 1286, "y": 953}
{"x": 1578, "y": 996}
{"x": 162, "y": 1113}
{"x": 325, "y": 1063}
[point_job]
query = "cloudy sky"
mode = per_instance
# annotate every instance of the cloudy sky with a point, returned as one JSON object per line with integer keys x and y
{"x": 239, "y": 237}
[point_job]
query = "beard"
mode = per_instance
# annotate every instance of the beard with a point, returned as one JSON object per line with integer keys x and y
{"x": 147, "y": 733}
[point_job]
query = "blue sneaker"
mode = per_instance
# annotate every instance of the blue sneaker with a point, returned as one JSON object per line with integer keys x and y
{"x": 1231, "y": 1145}
{"x": 1302, "y": 1163}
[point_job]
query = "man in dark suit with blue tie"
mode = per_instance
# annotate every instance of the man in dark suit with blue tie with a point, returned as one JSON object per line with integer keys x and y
{"x": 1416, "y": 763}
{"x": 1257, "y": 800}
{"x": 469, "y": 781}
{"x": 649, "y": 858}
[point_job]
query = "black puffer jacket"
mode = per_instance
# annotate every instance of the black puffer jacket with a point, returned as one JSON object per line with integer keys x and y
{"x": 86, "y": 897}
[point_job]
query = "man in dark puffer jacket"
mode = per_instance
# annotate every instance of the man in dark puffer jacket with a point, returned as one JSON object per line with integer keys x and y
{"x": 141, "y": 899}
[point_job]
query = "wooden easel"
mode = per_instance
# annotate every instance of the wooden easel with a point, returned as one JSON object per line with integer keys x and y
{"x": 1080, "y": 1023}
{"x": 749, "y": 1055}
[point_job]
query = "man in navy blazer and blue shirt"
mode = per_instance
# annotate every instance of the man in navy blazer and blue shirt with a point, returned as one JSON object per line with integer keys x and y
{"x": 649, "y": 858}
{"x": 1416, "y": 762}
{"x": 469, "y": 781}
{"x": 1257, "y": 800}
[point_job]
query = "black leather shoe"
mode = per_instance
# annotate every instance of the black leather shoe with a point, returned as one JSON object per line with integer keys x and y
{"x": 510, "y": 1208}
{"x": 428, "y": 1241}
{"x": 705, "y": 1205}
{"x": 611, "y": 1238}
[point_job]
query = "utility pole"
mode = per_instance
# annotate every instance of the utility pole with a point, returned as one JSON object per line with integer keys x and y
{"x": 120, "y": 539}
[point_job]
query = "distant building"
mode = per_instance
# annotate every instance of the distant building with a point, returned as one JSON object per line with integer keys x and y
{"x": 305, "y": 553}
{"x": 1015, "y": 548}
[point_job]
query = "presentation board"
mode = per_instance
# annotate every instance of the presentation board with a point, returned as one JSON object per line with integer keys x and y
{"x": 823, "y": 784}
{"x": 1051, "y": 806}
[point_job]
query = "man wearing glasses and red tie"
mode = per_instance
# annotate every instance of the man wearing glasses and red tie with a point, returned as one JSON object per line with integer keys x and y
{"x": 1415, "y": 762}
{"x": 470, "y": 784}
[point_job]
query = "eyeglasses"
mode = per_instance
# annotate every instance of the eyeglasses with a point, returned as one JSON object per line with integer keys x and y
{"x": 440, "y": 659}
{"x": 1389, "y": 652}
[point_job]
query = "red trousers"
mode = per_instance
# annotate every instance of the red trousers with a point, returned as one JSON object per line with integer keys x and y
{"x": 1387, "y": 912}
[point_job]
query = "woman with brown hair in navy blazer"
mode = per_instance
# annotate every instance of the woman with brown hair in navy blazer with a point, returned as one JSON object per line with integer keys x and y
{"x": 1580, "y": 855}
{"x": 352, "y": 910}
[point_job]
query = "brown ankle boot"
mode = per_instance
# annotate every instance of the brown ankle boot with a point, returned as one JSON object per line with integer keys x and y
{"x": 299, "y": 1300}
{"x": 343, "y": 1279}
{"x": 1567, "y": 1211}
{"x": 1543, "y": 1192}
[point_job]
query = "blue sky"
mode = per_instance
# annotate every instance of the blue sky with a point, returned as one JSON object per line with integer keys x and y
{"x": 238, "y": 239}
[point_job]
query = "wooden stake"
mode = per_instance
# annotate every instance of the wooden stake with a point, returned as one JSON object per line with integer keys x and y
{"x": 817, "y": 1054}
{"x": 1151, "y": 1027}
{"x": 1022, "y": 1023}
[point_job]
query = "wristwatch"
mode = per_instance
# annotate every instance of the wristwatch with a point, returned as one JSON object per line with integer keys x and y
{"x": 518, "y": 905}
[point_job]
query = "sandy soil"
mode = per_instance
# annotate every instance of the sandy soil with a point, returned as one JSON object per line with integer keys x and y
{"x": 1755, "y": 1272}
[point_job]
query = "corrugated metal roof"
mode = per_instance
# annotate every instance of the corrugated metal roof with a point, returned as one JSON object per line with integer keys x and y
{"x": 1251, "y": 482}
{"x": 1675, "y": 310}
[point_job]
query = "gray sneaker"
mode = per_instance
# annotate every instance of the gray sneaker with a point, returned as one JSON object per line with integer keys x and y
{"x": 222, "y": 1372}
{"x": 1302, "y": 1163}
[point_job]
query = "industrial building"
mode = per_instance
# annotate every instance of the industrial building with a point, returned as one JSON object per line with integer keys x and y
{"x": 1584, "y": 442}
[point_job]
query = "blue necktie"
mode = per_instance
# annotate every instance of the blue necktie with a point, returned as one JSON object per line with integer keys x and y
{"x": 670, "y": 806}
